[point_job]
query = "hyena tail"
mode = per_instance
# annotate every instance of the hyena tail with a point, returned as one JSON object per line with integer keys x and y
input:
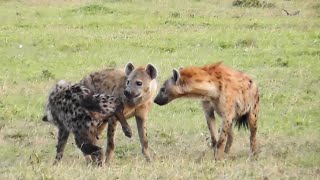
{"x": 243, "y": 121}
{"x": 91, "y": 104}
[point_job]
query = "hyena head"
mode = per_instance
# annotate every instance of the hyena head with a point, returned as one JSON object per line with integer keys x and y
{"x": 60, "y": 85}
{"x": 140, "y": 81}
{"x": 170, "y": 90}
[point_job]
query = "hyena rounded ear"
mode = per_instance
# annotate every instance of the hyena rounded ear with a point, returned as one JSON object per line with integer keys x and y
{"x": 176, "y": 75}
{"x": 129, "y": 68}
{"x": 152, "y": 71}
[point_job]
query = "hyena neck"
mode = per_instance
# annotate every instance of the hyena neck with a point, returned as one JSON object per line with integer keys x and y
{"x": 132, "y": 102}
{"x": 200, "y": 91}
{"x": 138, "y": 100}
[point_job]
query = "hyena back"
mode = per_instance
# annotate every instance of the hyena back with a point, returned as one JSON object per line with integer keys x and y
{"x": 231, "y": 94}
{"x": 74, "y": 108}
{"x": 136, "y": 87}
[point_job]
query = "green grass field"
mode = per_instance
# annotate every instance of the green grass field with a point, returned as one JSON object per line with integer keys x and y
{"x": 44, "y": 41}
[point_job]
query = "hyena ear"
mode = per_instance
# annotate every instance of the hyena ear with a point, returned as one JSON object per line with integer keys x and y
{"x": 129, "y": 68}
{"x": 152, "y": 71}
{"x": 176, "y": 75}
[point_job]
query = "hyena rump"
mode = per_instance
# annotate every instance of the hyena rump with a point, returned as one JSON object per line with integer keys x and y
{"x": 136, "y": 87}
{"x": 74, "y": 108}
{"x": 231, "y": 94}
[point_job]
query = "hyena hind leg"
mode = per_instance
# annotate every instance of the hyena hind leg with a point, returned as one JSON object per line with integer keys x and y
{"x": 253, "y": 131}
{"x": 63, "y": 135}
{"x": 253, "y": 125}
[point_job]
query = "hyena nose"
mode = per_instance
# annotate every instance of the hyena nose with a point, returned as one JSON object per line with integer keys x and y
{"x": 127, "y": 93}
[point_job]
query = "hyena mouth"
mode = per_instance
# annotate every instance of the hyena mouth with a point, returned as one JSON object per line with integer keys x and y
{"x": 131, "y": 95}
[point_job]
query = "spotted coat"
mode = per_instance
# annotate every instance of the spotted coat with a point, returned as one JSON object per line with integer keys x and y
{"x": 74, "y": 108}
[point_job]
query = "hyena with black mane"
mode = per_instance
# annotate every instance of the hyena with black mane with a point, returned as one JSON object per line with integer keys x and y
{"x": 136, "y": 88}
{"x": 232, "y": 94}
{"x": 74, "y": 108}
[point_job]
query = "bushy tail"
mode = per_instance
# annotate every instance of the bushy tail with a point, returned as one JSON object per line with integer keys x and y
{"x": 91, "y": 104}
{"x": 243, "y": 121}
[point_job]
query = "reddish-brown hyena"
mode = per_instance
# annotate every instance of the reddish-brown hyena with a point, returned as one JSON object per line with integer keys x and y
{"x": 232, "y": 94}
{"x": 136, "y": 87}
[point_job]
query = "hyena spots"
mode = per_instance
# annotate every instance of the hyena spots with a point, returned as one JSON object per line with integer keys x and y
{"x": 76, "y": 109}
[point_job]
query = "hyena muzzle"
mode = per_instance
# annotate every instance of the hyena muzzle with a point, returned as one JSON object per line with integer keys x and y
{"x": 231, "y": 94}
{"x": 74, "y": 108}
{"x": 136, "y": 87}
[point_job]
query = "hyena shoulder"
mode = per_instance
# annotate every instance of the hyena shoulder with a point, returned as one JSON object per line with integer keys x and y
{"x": 108, "y": 81}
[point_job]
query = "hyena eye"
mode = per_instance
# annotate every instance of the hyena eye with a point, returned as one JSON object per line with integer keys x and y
{"x": 128, "y": 82}
{"x": 139, "y": 83}
{"x": 162, "y": 89}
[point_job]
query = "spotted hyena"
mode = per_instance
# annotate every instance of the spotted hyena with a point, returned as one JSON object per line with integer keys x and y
{"x": 231, "y": 94}
{"x": 136, "y": 87}
{"x": 74, "y": 108}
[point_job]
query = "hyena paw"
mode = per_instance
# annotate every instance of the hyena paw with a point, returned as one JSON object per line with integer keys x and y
{"x": 127, "y": 132}
{"x": 148, "y": 159}
{"x": 218, "y": 155}
{"x": 147, "y": 156}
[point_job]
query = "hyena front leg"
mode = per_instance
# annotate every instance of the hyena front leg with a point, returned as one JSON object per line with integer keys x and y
{"x": 112, "y": 124}
{"x": 229, "y": 140}
{"x": 124, "y": 124}
{"x": 211, "y": 121}
{"x": 141, "y": 119}
{"x": 221, "y": 144}
{"x": 63, "y": 135}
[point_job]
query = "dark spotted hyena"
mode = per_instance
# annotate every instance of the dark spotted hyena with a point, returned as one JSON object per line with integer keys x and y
{"x": 136, "y": 87}
{"x": 232, "y": 94}
{"x": 74, "y": 108}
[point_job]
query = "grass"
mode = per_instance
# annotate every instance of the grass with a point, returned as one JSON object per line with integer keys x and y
{"x": 44, "y": 41}
{"x": 252, "y": 3}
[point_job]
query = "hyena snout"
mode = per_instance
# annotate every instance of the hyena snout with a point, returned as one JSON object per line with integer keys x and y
{"x": 45, "y": 118}
{"x": 161, "y": 100}
{"x": 130, "y": 94}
